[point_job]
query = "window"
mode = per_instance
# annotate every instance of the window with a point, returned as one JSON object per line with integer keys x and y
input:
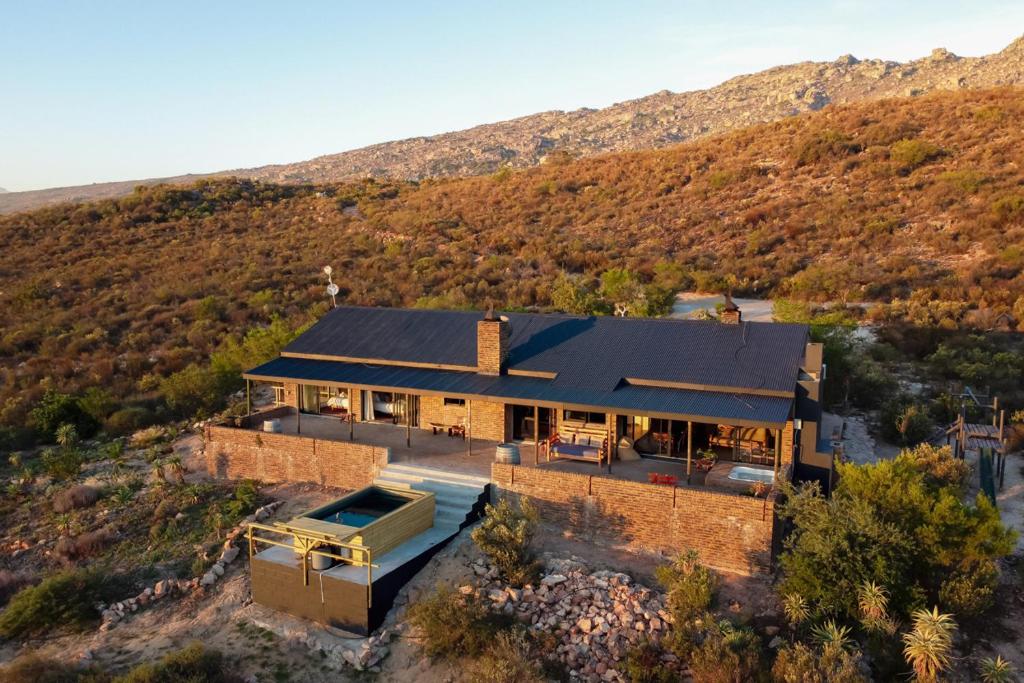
{"x": 454, "y": 401}
{"x": 583, "y": 416}
{"x": 278, "y": 395}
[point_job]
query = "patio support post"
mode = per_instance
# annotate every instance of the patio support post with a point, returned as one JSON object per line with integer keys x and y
{"x": 351, "y": 415}
{"x": 298, "y": 408}
{"x": 536, "y": 435}
{"x": 778, "y": 451}
{"x": 689, "y": 449}
{"x": 408, "y": 420}
{"x": 608, "y": 454}
{"x": 469, "y": 427}
{"x": 670, "y": 438}
{"x": 248, "y": 397}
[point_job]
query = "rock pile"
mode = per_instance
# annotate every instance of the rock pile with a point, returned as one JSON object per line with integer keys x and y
{"x": 597, "y": 616}
{"x": 112, "y": 614}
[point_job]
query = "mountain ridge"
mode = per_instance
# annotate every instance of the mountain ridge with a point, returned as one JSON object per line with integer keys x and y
{"x": 650, "y": 122}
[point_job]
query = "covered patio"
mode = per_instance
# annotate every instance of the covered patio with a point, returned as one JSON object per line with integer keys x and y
{"x": 469, "y": 455}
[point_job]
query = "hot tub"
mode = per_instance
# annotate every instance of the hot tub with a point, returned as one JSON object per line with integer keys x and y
{"x": 752, "y": 474}
{"x": 379, "y": 518}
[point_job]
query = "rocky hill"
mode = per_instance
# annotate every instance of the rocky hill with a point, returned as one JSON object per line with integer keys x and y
{"x": 659, "y": 120}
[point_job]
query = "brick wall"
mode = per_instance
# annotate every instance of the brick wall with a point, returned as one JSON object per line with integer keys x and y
{"x": 731, "y": 532}
{"x": 242, "y": 453}
{"x": 787, "y": 444}
{"x": 488, "y": 420}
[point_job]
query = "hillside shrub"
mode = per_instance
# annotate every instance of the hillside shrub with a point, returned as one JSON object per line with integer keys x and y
{"x": 65, "y": 600}
{"x": 33, "y": 668}
{"x": 904, "y": 422}
{"x": 643, "y": 664}
{"x": 727, "y": 654}
{"x": 87, "y": 544}
{"x": 690, "y": 585}
{"x": 913, "y": 153}
{"x": 55, "y": 409}
{"x": 512, "y": 657}
{"x": 62, "y": 463}
{"x": 128, "y": 420}
{"x": 452, "y": 625}
{"x": 801, "y": 663}
{"x": 75, "y": 497}
{"x": 505, "y": 536}
{"x": 11, "y": 582}
{"x": 194, "y": 664}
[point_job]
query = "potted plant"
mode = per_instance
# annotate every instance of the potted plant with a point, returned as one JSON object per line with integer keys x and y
{"x": 707, "y": 460}
{"x": 759, "y": 489}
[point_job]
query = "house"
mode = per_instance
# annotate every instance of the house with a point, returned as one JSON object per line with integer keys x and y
{"x": 629, "y": 429}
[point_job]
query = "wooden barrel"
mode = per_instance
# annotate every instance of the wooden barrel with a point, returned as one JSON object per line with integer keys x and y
{"x": 507, "y": 453}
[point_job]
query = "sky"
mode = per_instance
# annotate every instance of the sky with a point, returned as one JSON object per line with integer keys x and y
{"x": 105, "y": 90}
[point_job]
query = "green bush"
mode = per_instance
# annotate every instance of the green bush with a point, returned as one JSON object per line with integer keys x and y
{"x": 904, "y": 422}
{"x": 506, "y": 535}
{"x": 453, "y": 625}
{"x": 194, "y": 664}
{"x": 894, "y": 523}
{"x": 513, "y": 657}
{"x": 128, "y": 420}
{"x": 727, "y": 654}
{"x": 799, "y": 663}
{"x": 971, "y": 591}
{"x": 64, "y": 600}
{"x": 62, "y": 463}
{"x": 643, "y": 665}
{"x": 55, "y": 409}
{"x": 912, "y": 153}
{"x": 194, "y": 390}
{"x": 690, "y": 585}
{"x": 32, "y": 668}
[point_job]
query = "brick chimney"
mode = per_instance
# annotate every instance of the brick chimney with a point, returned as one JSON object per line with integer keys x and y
{"x": 492, "y": 340}
{"x": 731, "y": 314}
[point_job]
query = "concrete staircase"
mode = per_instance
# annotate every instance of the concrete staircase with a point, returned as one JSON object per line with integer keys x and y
{"x": 459, "y": 498}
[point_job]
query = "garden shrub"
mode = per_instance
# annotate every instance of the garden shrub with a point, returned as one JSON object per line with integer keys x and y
{"x": 690, "y": 585}
{"x": 32, "y": 668}
{"x": 904, "y": 422}
{"x": 913, "y": 153}
{"x": 75, "y": 497}
{"x": 971, "y": 590}
{"x": 453, "y": 625}
{"x": 506, "y": 535}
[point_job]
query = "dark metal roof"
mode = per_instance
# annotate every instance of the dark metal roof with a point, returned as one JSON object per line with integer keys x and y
{"x": 727, "y": 407}
{"x": 595, "y": 353}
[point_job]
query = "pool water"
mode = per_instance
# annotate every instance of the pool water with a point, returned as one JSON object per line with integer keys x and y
{"x": 356, "y": 519}
{"x": 366, "y": 507}
{"x": 752, "y": 474}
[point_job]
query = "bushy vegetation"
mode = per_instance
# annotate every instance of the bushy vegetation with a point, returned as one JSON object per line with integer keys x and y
{"x": 64, "y": 600}
{"x": 453, "y": 625}
{"x": 505, "y": 536}
{"x": 162, "y": 278}
{"x": 690, "y": 586}
{"x": 900, "y": 524}
{"x": 194, "y": 664}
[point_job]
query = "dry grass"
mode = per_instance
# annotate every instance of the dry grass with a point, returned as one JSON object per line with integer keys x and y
{"x": 75, "y": 497}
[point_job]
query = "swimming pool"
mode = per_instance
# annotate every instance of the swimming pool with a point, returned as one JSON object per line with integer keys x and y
{"x": 361, "y": 508}
{"x": 752, "y": 474}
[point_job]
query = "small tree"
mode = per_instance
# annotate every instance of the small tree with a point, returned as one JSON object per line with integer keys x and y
{"x": 506, "y": 535}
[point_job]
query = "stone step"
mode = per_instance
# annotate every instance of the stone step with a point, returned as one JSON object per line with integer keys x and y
{"x": 438, "y": 475}
{"x": 440, "y": 489}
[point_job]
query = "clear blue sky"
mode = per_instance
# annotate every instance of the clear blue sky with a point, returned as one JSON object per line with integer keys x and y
{"x": 96, "y": 91}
